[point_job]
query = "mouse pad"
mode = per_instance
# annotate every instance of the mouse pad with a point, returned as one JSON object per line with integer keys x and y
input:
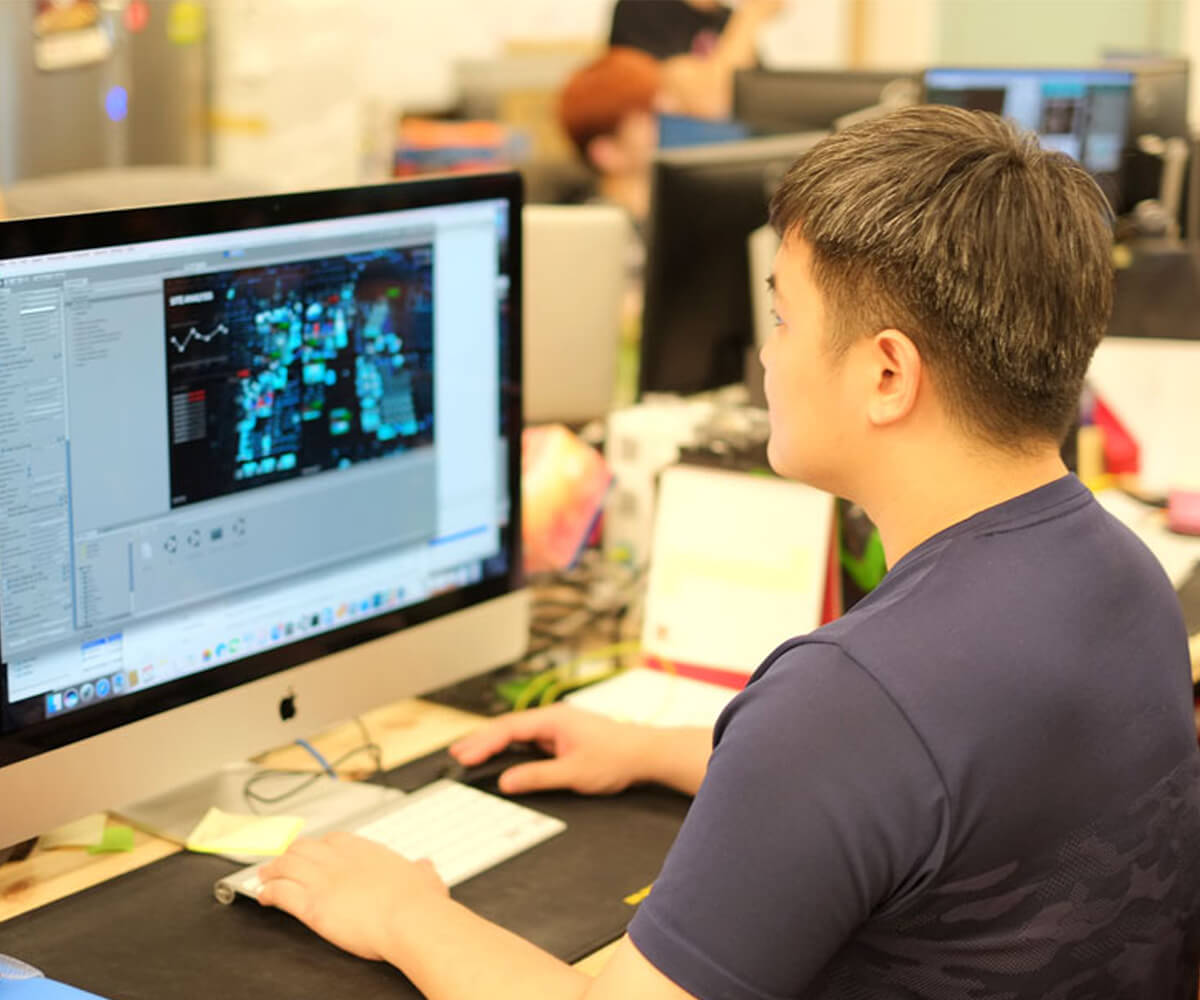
{"x": 158, "y": 932}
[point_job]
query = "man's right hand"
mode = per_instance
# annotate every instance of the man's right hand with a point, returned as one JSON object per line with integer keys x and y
{"x": 592, "y": 754}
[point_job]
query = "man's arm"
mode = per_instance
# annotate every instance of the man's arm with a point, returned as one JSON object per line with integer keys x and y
{"x": 375, "y": 904}
{"x": 703, "y": 86}
{"x": 499, "y": 965}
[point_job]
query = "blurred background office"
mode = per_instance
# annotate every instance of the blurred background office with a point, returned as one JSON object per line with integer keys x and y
{"x": 106, "y": 103}
{"x": 302, "y": 93}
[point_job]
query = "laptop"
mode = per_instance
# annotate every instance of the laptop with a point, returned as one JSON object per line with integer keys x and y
{"x": 577, "y": 262}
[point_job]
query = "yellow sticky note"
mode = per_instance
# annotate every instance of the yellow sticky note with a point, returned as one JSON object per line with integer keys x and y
{"x": 220, "y": 832}
{"x": 116, "y": 839}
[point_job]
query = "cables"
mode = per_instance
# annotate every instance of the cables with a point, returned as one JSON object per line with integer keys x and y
{"x": 306, "y": 779}
{"x": 579, "y": 616}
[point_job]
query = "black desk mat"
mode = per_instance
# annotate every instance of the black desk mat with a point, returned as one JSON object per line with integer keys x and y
{"x": 158, "y": 933}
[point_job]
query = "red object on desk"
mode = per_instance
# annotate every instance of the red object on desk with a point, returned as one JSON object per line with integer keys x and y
{"x": 1121, "y": 452}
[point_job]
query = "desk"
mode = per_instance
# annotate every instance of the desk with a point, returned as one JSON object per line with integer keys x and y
{"x": 404, "y": 730}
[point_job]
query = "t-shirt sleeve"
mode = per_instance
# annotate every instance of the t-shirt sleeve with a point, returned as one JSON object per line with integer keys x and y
{"x": 820, "y": 807}
{"x": 663, "y": 28}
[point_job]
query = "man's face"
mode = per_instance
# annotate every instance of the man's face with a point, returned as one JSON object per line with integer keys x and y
{"x": 637, "y": 140}
{"x": 815, "y": 423}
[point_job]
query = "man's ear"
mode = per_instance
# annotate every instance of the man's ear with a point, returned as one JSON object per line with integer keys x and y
{"x": 897, "y": 373}
{"x": 605, "y": 154}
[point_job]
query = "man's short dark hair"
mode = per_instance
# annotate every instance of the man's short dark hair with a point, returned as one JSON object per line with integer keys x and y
{"x": 992, "y": 254}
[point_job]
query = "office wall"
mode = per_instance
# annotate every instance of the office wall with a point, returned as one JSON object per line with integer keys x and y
{"x": 1052, "y": 32}
{"x": 299, "y": 84}
{"x": 1189, "y": 33}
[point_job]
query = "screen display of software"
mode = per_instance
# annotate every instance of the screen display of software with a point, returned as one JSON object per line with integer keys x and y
{"x": 1083, "y": 113}
{"x": 215, "y": 446}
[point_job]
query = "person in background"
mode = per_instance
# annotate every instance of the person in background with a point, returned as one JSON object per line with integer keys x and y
{"x": 666, "y": 28}
{"x": 608, "y": 110}
{"x": 701, "y": 44}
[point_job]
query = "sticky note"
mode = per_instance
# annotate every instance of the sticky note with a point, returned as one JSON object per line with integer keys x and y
{"x": 220, "y": 832}
{"x": 85, "y": 832}
{"x": 116, "y": 838}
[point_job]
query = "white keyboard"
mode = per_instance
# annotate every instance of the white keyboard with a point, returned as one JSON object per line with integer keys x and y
{"x": 462, "y": 830}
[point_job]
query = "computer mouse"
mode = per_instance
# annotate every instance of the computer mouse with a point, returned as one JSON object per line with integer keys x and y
{"x": 488, "y": 772}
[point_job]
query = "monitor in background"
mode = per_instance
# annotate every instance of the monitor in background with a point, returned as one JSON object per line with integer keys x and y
{"x": 1084, "y": 113}
{"x": 1160, "y": 108}
{"x": 577, "y": 263}
{"x": 773, "y": 102}
{"x": 259, "y": 467}
{"x": 1160, "y": 92}
{"x": 697, "y": 322}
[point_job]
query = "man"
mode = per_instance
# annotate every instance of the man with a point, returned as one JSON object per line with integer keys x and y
{"x": 608, "y": 109}
{"x": 701, "y": 43}
{"x": 982, "y": 781}
{"x": 667, "y": 28}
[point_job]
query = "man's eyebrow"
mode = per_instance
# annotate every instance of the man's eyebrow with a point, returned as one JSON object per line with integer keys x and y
{"x": 771, "y": 282}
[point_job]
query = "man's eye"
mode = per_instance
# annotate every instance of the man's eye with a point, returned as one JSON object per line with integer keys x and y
{"x": 776, "y": 318}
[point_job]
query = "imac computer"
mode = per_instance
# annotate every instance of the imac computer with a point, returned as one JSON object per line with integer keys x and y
{"x": 698, "y": 320}
{"x": 1084, "y": 113}
{"x": 772, "y": 102}
{"x": 259, "y": 471}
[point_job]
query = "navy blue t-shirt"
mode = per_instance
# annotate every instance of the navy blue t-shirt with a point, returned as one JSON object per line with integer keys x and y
{"x": 981, "y": 782}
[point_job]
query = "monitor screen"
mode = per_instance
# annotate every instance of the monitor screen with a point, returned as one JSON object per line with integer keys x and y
{"x": 783, "y": 101}
{"x": 239, "y": 436}
{"x": 1084, "y": 113}
{"x": 698, "y": 321}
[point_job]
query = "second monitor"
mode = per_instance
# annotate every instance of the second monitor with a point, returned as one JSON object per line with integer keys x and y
{"x": 697, "y": 320}
{"x": 1084, "y": 113}
{"x": 773, "y": 102}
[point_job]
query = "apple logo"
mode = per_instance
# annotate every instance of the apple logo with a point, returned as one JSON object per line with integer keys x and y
{"x": 287, "y": 706}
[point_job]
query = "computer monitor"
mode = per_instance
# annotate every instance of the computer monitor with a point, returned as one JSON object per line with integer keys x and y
{"x": 697, "y": 320}
{"x": 259, "y": 471}
{"x": 773, "y": 102}
{"x": 1084, "y": 113}
{"x": 1161, "y": 85}
{"x": 1160, "y": 91}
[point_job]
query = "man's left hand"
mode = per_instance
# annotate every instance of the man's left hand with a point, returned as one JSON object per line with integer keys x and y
{"x": 351, "y": 891}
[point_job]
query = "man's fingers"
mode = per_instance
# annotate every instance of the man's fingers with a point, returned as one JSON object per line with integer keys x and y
{"x": 286, "y": 895}
{"x": 538, "y": 724}
{"x": 296, "y": 866}
{"x": 537, "y": 777}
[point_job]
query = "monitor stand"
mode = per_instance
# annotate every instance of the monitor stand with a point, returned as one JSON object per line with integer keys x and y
{"x": 327, "y": 804}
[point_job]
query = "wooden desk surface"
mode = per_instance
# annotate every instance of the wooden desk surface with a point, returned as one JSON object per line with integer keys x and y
{"x": 404, "y": 731}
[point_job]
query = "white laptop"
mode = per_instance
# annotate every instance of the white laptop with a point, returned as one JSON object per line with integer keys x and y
{"x": 576, "y": 267}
